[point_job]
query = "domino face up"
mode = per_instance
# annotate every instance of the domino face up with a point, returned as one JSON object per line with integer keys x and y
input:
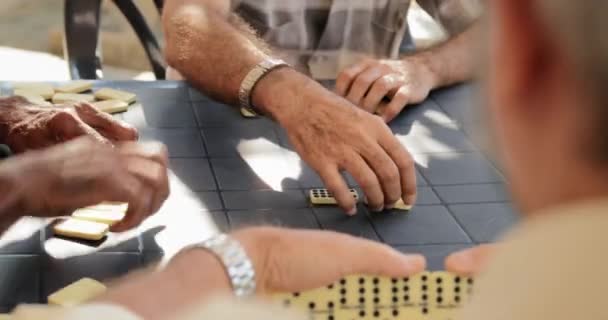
{"x": 113, "y": 94}
{"x": 32, "y": 97}
{"x": 77, "y": 293}
{"x": 324, "y": 197}
{"x": 247, "y": 113}
{"x": 81, "y": 229}
{"x": 72, "y": 97}
{"x": 429, "y": 295}
{"x": 75, "y": 87}
{"x": 41, "y": 89}
{"x": 106, "y": 213}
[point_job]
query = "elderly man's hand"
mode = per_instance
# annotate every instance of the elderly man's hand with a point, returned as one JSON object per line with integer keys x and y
{"x": 296, "y": 260}
{"x": 385, "y": 87}
{"x": 332, "y": 135}
{"x": 26, "y": 126}
{"x": 470, "y": 262}
{"x": 56, "y": 181}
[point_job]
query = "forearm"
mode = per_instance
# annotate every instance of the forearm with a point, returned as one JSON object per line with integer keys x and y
{"x": 190, "y": 278}
{"x": 453, "y": 61}
{"x": 214, "y": 50}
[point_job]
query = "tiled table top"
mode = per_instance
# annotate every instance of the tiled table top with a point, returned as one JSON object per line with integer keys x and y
{"x": 228, "y": 172}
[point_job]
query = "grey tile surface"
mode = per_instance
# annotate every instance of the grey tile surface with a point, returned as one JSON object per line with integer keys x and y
{"x": 485, "y": 221}
{"x": 237, "y": 174}
{"x": 58, "y": 273}
{"x": 264, "y": 199}
{"x": 334, "y": 219}
{"x": 240, "y": 138}
{"x": 181, "y": 143}
{"x": 195, "y": 173}
{"x": 288, "y": 218}
{"x": 460, "y": 168}
{"x": 422, "y": 225}
{"x": 20, "y": 278}
{"x": 435, "y": 254}
{"x": 472, "y": 193}
{"x": 225, "y": 170}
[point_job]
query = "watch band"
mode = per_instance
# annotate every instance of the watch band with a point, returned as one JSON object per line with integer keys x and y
{"x": 253, "y": 77}
{"x": 236, "y": 262}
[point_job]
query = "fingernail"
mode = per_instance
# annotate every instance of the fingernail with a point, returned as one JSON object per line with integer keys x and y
{"x": 352, "y": 211}
{"x": 389, "y": 206}
{"x": 414, "y": 263}
{"x": 378, "y": 209}
{"x": 462, "y": 261}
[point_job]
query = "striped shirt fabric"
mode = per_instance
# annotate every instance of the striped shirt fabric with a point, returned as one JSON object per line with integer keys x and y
{"x": 321, "y": 37}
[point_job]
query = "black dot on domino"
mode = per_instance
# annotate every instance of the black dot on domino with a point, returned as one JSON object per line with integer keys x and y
{"x": 439, "y": 300}
{"x": 457, "y": 298}
{"x": 362, "y": 313}
{"x": 394, "y": 289}
{"x": 424, "y": 278}
{"x": 331, "y": 286}
{"x": 470, "y": 281}
{"x": 311, "y": 306}
{"x": 296, "y": 294}
{"x": 395, "y": 312}
{"x": 424, "y": 287}
{"x": 438, "y": 280}
{"x": 406, "y": 298}
{"x": 425, "y": 310}
{"x": 376, "y": 290}
{"x": 330, "y": 305}
{"x": 330, "y": 317}
{"x": 424, "y": 297}
{"x": 361, "y": 300}
{"x": 376, "y": 314}
{"x": 343, "y": 291}
{"x": 406, "y": 279}
{"x": 361, "y": 280}
{"x": 376, "y": 281}
{"x": 406, "y": 288}
{"x": 361, "y": 290}
{"x": 342, "y": 281}
{"x": 393, "y": 280}
{"x": 376, "y": 300}
{"x": 457, "y": 279}
{"x": 343, "y": 301}
{"x": 395, "y": 300}
{"x": 439, "y": 290}
{"x": 457, "y": 289}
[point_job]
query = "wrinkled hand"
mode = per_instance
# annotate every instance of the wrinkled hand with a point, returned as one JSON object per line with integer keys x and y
{"x": 331, "y": 135}
{"x": 470, "y": 262}
{"x": 26, "y": 126}
{"x": 295, "y": 260}
{"x": 385, "y": 87}
{"x": 58, "y": 180}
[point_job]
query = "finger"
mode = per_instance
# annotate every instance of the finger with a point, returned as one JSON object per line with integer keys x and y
{"x": 334, "y": 182}
{"x": 363, "y": 83}
{"x": 367, "y": 180}
{"x": 380, "y": 89}
{"x": 405, "y": 164}
{"x": 154, "y": 151}
{"x": 138, "y": 211}
{"x": 154, "y": 177}
{"x": 387, "y": 172}
{"x": 472, "y": 261}
{"x": 67, "y": 127}
{"x": 348, "y": 75}
{"x": 398, "y": 102}
{"x": 109, "y": 127}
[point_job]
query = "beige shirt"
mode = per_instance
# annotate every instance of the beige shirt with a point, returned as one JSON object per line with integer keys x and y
{"x": 321, "y": 37}
{"x": 553, "y": 267}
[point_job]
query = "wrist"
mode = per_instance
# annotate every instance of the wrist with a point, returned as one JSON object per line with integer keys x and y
{"x": 432, "y": 67}
{"x": 276, "y": 94}
{"x": 200, "y": 270}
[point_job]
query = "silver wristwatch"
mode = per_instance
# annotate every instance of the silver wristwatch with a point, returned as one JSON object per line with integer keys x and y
{"x": 253, "y": 77}
{"x": 237, "y": 264}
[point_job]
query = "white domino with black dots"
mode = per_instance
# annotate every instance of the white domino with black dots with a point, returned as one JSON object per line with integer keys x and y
{"x": 324, "y": 197}
{"x": 429, "y": 295}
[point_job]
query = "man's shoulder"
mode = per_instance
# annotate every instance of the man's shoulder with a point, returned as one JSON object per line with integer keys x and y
{"x": 551, "y": 267}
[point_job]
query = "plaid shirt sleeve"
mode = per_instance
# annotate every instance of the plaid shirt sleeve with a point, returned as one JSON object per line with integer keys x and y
{"x": 455, "y": 16}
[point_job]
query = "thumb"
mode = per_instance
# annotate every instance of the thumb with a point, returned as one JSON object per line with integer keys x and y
{"x": 471, "y": 261}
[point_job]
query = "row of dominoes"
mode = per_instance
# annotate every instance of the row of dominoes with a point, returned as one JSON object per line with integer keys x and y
{"x": 429, "y": 295}
{"x": 105, "y": 99}
{"x": 324, "y": 197}
{"x": 91, "y": 223}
